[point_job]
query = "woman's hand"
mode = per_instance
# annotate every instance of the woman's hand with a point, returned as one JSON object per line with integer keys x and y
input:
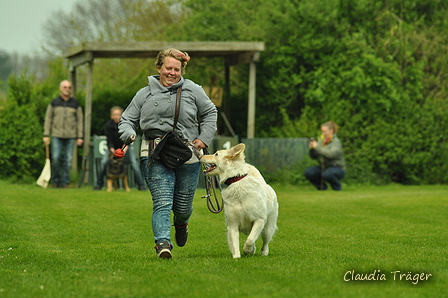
{"x": 198, "y": 144}
{"x": 313, "y": 144}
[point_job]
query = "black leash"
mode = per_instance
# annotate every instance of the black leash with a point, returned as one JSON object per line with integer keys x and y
{"x": 214, "y": 199}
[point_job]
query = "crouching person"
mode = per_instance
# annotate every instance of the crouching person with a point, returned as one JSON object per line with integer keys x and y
{"x": 328, "y": 152}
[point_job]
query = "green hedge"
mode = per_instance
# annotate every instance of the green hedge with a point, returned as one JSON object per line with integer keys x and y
{"x": 23, "y": 154}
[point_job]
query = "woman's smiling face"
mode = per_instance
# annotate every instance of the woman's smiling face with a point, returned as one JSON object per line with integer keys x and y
{"x": 327, "y": 132}
{"x": 170, "y": 72}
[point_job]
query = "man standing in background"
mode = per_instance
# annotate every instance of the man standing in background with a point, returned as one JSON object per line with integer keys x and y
{"x": 64, "y": 123}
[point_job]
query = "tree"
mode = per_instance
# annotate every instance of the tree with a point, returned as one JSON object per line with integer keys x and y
{"x": 5, "y": 66}
{"x": 376, "y": 68}
{"x": 21, "y": 158}
{"x": 107, "y": 21}
{"x": 111, "y": 21}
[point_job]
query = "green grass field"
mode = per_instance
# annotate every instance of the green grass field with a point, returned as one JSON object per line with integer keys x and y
{"x": 81, "y": 243}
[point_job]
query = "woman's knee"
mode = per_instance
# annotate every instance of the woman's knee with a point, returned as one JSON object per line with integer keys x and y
{"x": 312, "y": 172}
{"x": 329, "y": 176}
{"x": 333, "y": 174}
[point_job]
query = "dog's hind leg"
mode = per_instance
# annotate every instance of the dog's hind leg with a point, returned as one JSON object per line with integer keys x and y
{"x": 268, "y": 233}
{"x": 233, "y": 239}
{"x": 126, "y": 183}
{"x": 249, "y": 246}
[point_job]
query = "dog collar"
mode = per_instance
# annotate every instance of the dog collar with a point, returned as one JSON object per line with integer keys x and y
{"x": 234, "y": 179}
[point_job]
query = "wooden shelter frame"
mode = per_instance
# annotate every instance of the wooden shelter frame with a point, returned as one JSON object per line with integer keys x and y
{"x": 233, "y": 52}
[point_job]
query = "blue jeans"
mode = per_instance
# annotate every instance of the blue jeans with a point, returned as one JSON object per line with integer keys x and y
{"x": 102, "y": 170}
{"x": 128, "y": 158}
{"x": 171, "y": 189}
{"x": 130, "y": 154}
{"x": 61, "y": 160}
{"x": 332, "y": 175}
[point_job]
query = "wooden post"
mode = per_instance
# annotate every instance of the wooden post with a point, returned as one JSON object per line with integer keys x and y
{"x": 251, "y": 102}
{"x": 73, "y": 80}
{"x": 88, "y": 118}
{"x": 226, "y": 101}
{"x": 75, "y": 151}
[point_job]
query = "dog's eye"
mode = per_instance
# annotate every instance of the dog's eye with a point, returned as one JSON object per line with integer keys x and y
{"x": 216, "y": 154}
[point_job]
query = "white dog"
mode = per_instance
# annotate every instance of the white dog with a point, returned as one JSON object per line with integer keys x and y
{"x": 250, "y": 204}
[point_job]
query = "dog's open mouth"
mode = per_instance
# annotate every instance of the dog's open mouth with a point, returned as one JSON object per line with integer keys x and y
{"x": 209, "y": 167}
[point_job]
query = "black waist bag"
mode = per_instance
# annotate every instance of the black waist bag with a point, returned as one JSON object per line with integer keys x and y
{"x": 171, "y": 150}
{"x": 174, "y": 151}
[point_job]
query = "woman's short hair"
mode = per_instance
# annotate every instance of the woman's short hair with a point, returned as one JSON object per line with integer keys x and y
{"x": 331, "y": 125}
{"x": 183, "y": 57}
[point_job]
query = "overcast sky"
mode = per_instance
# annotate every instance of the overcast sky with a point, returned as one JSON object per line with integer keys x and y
{"x": 21, "y": 22}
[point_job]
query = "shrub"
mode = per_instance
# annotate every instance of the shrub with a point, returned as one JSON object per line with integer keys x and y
{"x": 23, "y": 154}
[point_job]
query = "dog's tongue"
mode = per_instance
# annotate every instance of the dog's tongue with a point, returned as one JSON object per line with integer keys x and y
{"x": 209, "y": 167}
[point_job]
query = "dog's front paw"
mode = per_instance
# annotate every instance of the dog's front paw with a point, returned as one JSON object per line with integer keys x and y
{"x": 249, "y": 249}
{"x": 236, "y": 256}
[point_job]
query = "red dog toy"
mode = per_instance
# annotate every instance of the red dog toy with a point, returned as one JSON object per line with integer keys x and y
{"x": 119, "y": 153}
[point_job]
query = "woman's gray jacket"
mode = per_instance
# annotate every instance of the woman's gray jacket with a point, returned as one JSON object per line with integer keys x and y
{"x": 330, "y": 154}
{"x": 153, "y": 108}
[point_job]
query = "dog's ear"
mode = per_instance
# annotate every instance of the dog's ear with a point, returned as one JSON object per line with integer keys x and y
{"x": 237, "y": 150}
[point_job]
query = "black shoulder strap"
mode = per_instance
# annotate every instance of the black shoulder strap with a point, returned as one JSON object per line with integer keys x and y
{"x": 176, "y": 115}
{"x": 153, "y": 152}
